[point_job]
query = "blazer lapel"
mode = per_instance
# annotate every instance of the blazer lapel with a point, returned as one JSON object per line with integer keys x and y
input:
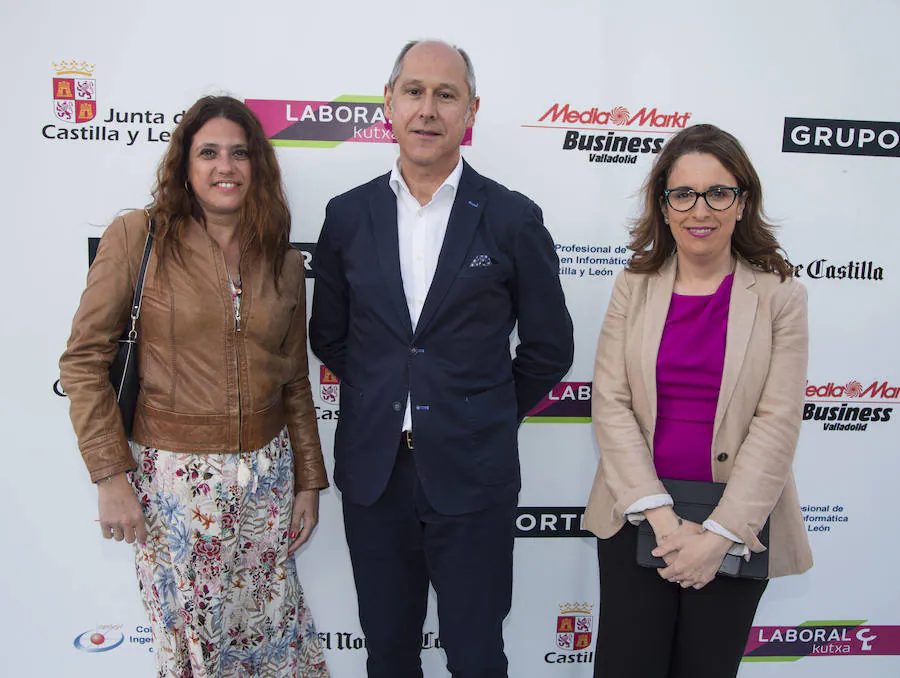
{"x": 659, "y": 296}
{"x": 464, "y": 217}
{"x": 741, "y": 316}
{"x": 383, "y": 222}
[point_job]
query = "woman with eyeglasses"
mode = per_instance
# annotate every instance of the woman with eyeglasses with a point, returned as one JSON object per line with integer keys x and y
{"x": 700, "y": 375}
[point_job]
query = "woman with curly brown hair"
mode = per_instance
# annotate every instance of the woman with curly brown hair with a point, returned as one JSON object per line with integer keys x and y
{"x": 700, "y": 376}
{"x": 220, "y": 482}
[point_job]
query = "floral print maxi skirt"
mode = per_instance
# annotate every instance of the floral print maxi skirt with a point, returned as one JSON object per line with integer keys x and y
{"x": 221, "y": 592}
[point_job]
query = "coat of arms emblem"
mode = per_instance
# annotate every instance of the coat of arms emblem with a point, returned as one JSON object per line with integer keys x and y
{"x": 74, "y": 91}
{"x": 330, "y": 386}
{"x": 574, "y": 626}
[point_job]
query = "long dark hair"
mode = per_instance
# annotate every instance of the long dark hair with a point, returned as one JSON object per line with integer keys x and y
{"x": 753, "y": 240}
{"x": 265, "y": 220}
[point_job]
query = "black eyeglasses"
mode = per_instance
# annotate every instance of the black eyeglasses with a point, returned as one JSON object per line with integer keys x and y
{"x": 719, "y": 198}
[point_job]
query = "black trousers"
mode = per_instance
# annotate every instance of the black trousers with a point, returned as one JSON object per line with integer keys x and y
{"x": 400, "y": 544}
{"x": 652, "y": 628}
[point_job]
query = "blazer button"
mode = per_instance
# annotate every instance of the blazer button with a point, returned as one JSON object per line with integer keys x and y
{"x": 413, "y": 351}
{"x": 722, "y": 457}
{"x": 396, "y": 405}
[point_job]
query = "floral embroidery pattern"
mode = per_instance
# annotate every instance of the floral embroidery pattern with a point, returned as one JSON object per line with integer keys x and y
{"x": 222, "y": 594}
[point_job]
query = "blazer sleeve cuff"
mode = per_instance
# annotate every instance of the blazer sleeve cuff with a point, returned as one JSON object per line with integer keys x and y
{"x": 635, "y": 512}
{"x": 626, "y": 500}
{"x": 723, "y": 517}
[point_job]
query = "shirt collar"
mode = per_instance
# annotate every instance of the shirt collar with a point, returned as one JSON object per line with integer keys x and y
{"x": 452, "y": 181}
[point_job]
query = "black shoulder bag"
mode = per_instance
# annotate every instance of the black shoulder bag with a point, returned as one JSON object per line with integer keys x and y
{"x": 123, "y": 371}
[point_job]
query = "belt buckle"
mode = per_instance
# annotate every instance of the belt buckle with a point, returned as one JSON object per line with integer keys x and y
{"x": 408, "y": 439}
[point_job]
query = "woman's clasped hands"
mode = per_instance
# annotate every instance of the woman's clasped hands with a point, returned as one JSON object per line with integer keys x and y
{"x": 693, "y": 555}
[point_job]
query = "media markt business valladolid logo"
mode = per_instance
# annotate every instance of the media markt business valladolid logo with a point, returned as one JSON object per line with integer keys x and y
{"x": 851, "y": 406}
{"x": 632, "y": 135}
{"x": 326, "y": 124}
{"x": 74, "y": 91}
{"x": 574, "y": 632}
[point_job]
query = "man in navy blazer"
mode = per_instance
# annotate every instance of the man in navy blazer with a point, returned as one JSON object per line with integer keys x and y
{"x": 421, "y": 276}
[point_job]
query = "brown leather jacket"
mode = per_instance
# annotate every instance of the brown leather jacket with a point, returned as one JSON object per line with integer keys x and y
{"x": 206, "y": 386}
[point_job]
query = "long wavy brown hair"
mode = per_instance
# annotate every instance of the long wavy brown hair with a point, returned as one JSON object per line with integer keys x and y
{"x": 265, "y": 221}
{"x": 753, "y": 240}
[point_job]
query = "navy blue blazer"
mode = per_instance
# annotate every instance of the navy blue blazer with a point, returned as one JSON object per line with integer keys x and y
{"x": 497, "y": 267}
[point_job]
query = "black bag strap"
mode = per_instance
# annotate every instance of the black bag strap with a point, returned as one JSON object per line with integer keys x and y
{"x": 139, "y": 287}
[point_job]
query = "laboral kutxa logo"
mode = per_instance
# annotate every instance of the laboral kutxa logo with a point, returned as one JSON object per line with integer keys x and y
{"x": 608, "y": 135}
{"x": 74, "y": 91}
{"x": 851, "y": 406}
{"x": 821, "y": 639}
{"x": 568, "y": 403}
{"x": 574, "y": 633}
{"x": 326, "y": 124}
{"x": 103, "y": 638}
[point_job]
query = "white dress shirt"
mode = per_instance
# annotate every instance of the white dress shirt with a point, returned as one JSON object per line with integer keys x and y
{"x": 421, "y": 230}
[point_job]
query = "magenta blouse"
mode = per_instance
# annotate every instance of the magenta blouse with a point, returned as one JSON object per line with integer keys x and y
{"x": 688, "y": 377}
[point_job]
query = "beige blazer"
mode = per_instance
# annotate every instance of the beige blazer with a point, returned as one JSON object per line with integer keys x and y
{"x": 758, "y": 415}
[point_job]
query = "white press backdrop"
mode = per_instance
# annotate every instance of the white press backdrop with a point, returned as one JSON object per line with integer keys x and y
{"x": 745, "y": 69}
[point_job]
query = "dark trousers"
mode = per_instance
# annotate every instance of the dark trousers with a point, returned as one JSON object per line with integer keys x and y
{"x": 400, "y": 544}
{"x": 652, "y": 628}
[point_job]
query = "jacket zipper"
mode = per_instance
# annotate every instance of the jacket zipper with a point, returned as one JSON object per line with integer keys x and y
{"x": 238, "y": 303}
{"x": 237, "y": 307}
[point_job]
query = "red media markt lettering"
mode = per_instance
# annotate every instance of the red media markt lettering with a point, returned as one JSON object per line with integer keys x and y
{"x": 619, "y": 116}
{"x": 854, "y": 389}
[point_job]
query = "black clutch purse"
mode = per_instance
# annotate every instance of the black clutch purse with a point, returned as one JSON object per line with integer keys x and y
{"x": 695, "y": 501}
{"x": 123, "y": 371}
